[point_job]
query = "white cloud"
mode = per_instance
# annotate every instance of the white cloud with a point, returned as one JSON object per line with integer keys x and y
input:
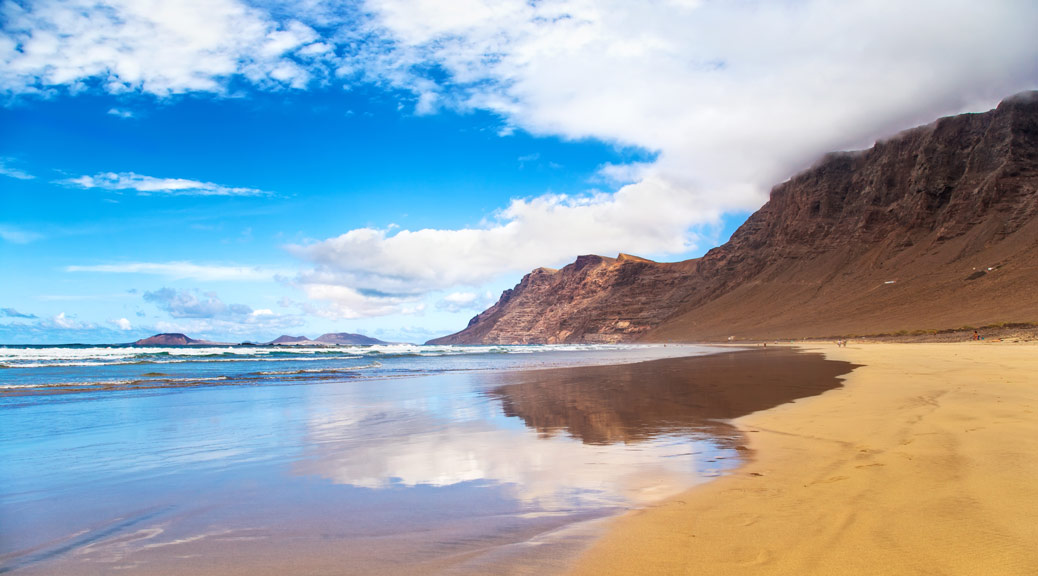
{"x": 344, "y": 302}
{"x": 145, "y": 185}
{"x": 206, "y": 313}
{"x": 459, "y": 301}
{"x": 547, "y": 230}
{"x": 121, "y": 113}
{"x": 183, "y": 271}
{"x": 188, "y": 304}
{"x": 12, "y": 172}
{"x": 728, "y": 98}
{"x": 16, "y": 235}
{"x": 152, "y": 46}
{"x": 731, "y": 98}
{"x": 122, "y": 324}
{"x": 408, "y": 333}
{"x": 67, "y": 322}
{"x": 224, "y": 330}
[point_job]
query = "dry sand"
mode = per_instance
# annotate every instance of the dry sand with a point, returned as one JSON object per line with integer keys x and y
{"x": 926, "y": 462}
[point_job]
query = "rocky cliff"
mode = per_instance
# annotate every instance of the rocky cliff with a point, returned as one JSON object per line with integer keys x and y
{"x": 934, "y": 228}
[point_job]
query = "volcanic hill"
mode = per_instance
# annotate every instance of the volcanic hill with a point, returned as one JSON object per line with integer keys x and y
{"x": 175, "y": 339}
{"x": 935, "y": 228}
{"x": 335, "y": 338}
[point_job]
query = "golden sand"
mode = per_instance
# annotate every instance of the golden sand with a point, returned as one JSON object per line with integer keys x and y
{"x": 925, "y": 462}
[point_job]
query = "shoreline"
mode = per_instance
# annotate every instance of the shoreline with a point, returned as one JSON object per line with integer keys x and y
{"x": 336, "y": 479}
{"x": 921, "y": 463}
{"x": 315, "y": 484}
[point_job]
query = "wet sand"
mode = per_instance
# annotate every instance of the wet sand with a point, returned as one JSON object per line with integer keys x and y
{"x": 492, "y": 473}
{"x": 923, "y": 463}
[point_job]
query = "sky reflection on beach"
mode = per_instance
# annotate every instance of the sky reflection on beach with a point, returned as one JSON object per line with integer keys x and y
{"x": 463, "y": 435}
{"x": 407, "y": 470}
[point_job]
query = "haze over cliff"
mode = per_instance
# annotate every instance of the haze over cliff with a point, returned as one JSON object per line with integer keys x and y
{"x": 934, "y": 228}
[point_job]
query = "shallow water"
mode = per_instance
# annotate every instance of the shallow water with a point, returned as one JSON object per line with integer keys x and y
{"x": 448, "y": 463}
{"x": 35, "y": 370}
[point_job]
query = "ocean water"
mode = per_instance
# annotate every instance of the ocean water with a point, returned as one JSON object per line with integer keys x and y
{"x": 85, "y": 368}
{"x": 346, "y": 460}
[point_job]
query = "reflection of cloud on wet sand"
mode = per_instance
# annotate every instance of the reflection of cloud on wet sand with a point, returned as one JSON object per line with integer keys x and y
{"x": 591, "y": 435}
{"x": 409, "y": 449}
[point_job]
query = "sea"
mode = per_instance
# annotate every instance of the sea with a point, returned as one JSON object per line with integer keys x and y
{"x": 394, "y": 459}
{"x": 103, "y": 369}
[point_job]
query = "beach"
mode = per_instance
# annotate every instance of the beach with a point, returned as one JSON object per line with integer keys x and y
{"x": 362, "y": 461}
{"x": 924, "y": 462}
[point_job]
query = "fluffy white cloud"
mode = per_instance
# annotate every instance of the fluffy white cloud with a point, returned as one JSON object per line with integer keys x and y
{"x": 734, "y": 96}
{"x": 67, "y": 322}
{"x": 145, "y": 185}
{"x": 344, "y": 302}
{"x": 182, "y": 271}
{"x": 154, "y": 46}
{"x": 459, "y": 301}
{"x": 731, "y": 97}
{"x": 185, "y": 304}
{"x": 545, "y": 230}
{"x": 122, "y": 324}
{"x": 206, "y": 313}
{"x": 120, "y": 113}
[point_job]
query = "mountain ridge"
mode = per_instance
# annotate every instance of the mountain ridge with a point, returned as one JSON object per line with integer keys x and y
{"x": 935, "y": 227}
{"x": 175, "y": 339}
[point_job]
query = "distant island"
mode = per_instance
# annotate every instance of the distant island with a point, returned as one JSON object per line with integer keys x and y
{"x": 174, "y": 339}
{"x": 334, "y": 338}
{"x": 330, "y": 339}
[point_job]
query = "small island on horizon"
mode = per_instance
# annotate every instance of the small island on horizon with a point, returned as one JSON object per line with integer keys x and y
{"x": 330, "y": 339}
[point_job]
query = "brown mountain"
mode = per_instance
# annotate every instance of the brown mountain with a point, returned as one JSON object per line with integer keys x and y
{"x": 349, "y": 339}
{"x": 286, "y": 339}
{"x": 174, "y": 339}
{"x": 935, "y": 228}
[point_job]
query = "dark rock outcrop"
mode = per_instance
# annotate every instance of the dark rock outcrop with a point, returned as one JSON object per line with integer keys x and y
{"x": 934, "y": 228}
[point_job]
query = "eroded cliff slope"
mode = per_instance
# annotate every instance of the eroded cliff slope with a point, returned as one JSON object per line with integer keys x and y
{"x": 934, "y": 228}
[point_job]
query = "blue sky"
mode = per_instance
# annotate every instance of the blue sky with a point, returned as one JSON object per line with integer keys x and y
{"x": 239, "y": 170}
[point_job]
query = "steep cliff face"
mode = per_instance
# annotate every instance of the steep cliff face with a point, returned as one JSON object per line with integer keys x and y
{"x": 595, "y": 299}
{"x": 934, "y": 228}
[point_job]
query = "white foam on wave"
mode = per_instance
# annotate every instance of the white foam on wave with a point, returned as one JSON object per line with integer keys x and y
{"x": 14, "y": 357}
{"x": 103, "y": 383}
{"x": 321, "y": 370}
